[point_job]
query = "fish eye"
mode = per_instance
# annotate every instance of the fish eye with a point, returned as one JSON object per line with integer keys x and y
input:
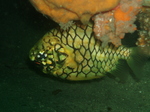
{"x": 41, "y": 55}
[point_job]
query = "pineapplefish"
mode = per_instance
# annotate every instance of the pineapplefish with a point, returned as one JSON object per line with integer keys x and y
{"x": 75, "y": 54}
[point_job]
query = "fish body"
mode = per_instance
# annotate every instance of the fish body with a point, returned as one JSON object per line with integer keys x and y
{"x": 75, "y": 54}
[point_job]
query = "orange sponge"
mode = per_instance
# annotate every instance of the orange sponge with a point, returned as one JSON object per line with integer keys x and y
{"x": 62, "y": 11}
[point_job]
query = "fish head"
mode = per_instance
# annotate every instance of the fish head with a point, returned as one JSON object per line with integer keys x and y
{"x": 52, "y": 56}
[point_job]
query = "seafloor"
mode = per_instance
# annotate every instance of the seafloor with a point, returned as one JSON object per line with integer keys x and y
{"x": 24, "y": 89}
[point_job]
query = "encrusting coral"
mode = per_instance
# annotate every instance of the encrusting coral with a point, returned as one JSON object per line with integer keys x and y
{"x": 112, "y": 18}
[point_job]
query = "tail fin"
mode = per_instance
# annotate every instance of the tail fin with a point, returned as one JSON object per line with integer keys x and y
{"x": 137, "y": 60}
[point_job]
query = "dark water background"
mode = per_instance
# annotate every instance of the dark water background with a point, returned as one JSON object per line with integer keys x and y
{"x": 25, "y": 89}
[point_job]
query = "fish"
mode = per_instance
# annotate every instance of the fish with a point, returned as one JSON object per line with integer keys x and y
{"x": 76, "y": 55}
